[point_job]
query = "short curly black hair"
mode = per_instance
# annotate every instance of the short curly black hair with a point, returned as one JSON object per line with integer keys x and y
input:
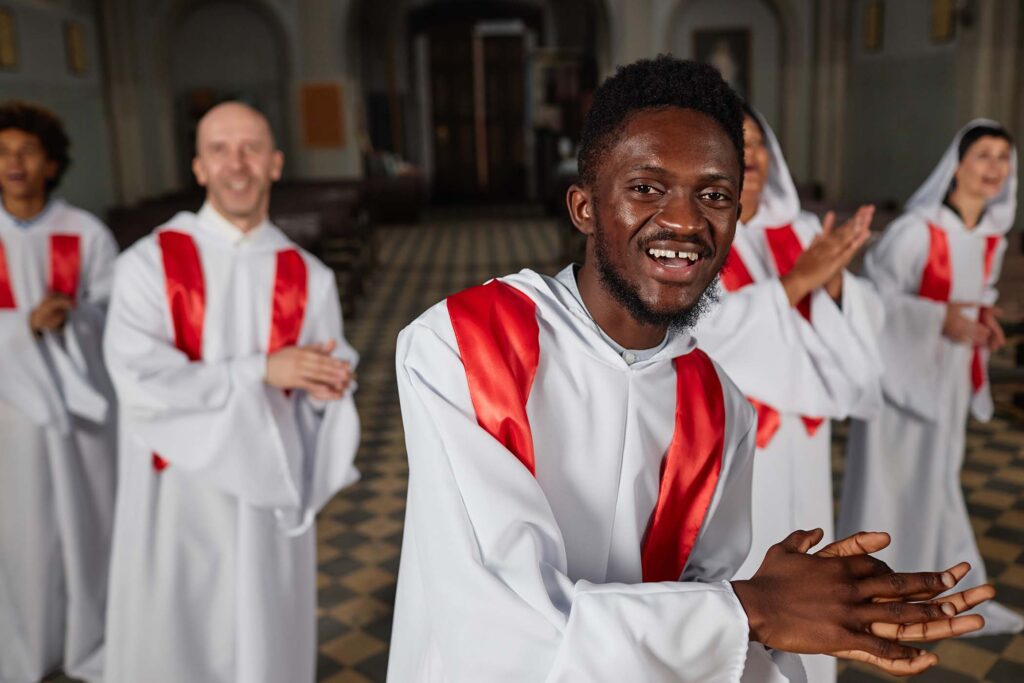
{"x": 45, "y": 125}
{"x": 654, "y": 84}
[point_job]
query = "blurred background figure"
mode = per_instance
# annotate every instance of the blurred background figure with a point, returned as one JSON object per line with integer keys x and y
{"x": 429, "y": 146}
{"x": 57, "y": 412}
{"x": 936, "y": 269}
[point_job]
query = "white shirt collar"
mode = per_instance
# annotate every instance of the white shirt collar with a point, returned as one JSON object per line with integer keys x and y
{"x": 210, "y": 219}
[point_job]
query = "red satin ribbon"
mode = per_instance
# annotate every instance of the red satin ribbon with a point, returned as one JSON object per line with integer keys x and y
{"x": 768, "y": 422}
{"x": 734, "y": 272}
{"x": 6, "y": 291}
{"x": 735, "y": 275}
{"x": 937, "y": 284}
{"x": 690, "y": 470}
{"x": 937, "y": 278}
{"x": 186, "y": 298}
{"x": 786, "y": 249}
{"x": 496, "y": 330}
{"x": 497, "y": 333}
{"x": 65, "y": 264}
{"x": 978, "y": 374}
{"x": 288, "y": 306}
{"x": 289, "y": 300}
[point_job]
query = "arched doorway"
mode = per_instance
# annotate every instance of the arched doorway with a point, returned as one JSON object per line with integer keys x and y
{"x": 225, "y": 49}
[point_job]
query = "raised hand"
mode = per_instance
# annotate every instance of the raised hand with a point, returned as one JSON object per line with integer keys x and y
{"x": 310, "y": 368}
{"x": 51, "y": 313}
{"x": 822, "y": 263}
{"x": 963, "y": 330}
{"x": 846, "y": 603}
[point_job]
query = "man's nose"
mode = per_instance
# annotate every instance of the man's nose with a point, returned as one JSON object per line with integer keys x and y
{"x": 681, "y": 213}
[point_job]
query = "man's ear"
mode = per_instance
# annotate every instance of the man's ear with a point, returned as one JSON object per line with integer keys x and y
{"x": 199, "y": 171}
{"x": 581, "y": 208}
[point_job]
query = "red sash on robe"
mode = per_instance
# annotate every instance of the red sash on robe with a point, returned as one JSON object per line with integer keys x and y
{"x": 6, "y": 290}
{"x": 498, "y": 336}
{"x": 937, "y": 284}
{"x": 785, "y": 248}
{"x": 65, "y": 264}
{"x": 186, "y": 298}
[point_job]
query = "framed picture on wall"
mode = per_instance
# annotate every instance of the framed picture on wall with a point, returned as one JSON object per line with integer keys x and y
{"x": 943, "y": 21}
{"x": 8, "y": 40}
{"x": 874, "y": 25}
{"x": 74, "y": 48}
{"x": 728, "y": 50}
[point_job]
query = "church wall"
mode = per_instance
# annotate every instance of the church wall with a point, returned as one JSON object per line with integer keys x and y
{"x": 42, "y": 76}
{"x": 901, "y": 103}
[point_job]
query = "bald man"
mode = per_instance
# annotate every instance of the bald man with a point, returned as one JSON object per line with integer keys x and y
{"x": 225, "y": 345}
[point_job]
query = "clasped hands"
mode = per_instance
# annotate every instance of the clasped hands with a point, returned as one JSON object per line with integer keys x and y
{"x": 51, "y": 313}
{"x": 986, "y": 331}
{"x": 843, "y": 602}
{"x": 310, "y": 368}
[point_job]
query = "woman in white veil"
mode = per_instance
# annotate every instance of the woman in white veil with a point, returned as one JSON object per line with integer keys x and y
{"x": 796, "y": 332}
{"x": 936, "y": 268}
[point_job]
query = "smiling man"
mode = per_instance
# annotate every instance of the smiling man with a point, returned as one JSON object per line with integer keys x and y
{"x": 226, "y": 348}
{"x": 57, "y": 436}
{"x": 579, "y": 491}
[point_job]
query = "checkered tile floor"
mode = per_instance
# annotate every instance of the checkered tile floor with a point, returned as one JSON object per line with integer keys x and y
{"x": 360, "y": 531}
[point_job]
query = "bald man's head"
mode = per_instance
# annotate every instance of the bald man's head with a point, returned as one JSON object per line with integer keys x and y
{"x": 237, "y": 161}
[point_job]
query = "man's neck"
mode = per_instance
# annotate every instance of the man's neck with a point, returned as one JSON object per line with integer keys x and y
{"x": 611, "y": 316}
{"x": 245, "y": 224}
{"x": 25, "y": 208}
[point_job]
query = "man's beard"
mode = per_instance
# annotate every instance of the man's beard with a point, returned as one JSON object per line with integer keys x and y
{"x": 628, "y": 294}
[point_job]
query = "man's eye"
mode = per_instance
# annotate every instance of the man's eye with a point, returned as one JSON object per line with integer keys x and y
{"x": 716, "y": 196}
{"x": 644, "y": 189}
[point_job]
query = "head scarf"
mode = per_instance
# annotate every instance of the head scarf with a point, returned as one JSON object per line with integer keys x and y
{"x": 999, "y": 212}
{"x": 779, "y": 203}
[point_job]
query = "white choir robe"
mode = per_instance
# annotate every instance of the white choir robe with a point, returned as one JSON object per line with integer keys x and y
{"x": 57, "y": 454}
{"x": 903, "y": 467}
{"x": 508, "y": 577}
{"x": 213, "y": 567}
{"x": 828, "y": 367}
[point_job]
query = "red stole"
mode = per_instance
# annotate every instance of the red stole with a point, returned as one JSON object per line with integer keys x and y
{"x": 497, "y": 332}
{"x": 785, "y": 247}
{"x": 6, "y": 290}
{"x": 65, "y": 264}
{"x": 65, "y": 267}
{"x": 937, "y": 284}
{"x": 186, "y": 298}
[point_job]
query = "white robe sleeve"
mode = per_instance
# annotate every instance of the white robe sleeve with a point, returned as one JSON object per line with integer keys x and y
{"x": 489, "y": 561}
{"x": 911, "y": 342}
{"x": 28, "y": 382}
{"x": 773, "y": 354}
{"x": 214, "y": 417}
{"x": 76, "y": 349}
{"x": 330, "y": 430}
{"x": 850, "y": 333}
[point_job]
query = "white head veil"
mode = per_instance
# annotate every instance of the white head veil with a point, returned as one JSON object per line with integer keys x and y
{"x": 779, "y": 203}
{"x": 999, "y": 212}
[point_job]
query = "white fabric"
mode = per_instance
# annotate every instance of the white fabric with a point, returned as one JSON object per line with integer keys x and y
{"x": 828, "y": 368}
{"x": 213, "y": 569}
{"x": 507, "y": 577}
{"x": 926, "y": 202}
{"x": 903, "y": 467}
{"x": 57, "y": 456}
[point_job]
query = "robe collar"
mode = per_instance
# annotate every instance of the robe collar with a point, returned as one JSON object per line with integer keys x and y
{"x": 210, "y": 219}
{"x": 50, "y": 206}
{"x": 561, "y": 308}
{"x": 215, "y": 230}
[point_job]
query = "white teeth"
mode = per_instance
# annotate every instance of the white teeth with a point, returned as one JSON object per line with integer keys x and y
{"x": 691, "y": 256}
